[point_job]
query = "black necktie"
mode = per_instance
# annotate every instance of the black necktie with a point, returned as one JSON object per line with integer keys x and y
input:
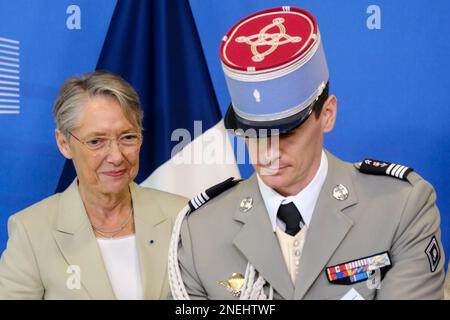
{"x": 289, "y": 214}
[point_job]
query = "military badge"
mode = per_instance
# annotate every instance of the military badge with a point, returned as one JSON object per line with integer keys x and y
{"x": 358, "y": 270}
{"x": 340, "y": 192}
{"x": 433, "y": 253}
{"x": 234, "y": 284}
{"x": 246, "y": 204}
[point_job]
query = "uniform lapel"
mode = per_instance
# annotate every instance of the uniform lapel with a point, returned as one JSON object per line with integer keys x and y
{"x": 329, "y": 226}
{"x": 258, "y": 243}
{"x": 153, "y": 231}
{"x": 75, "y": 238}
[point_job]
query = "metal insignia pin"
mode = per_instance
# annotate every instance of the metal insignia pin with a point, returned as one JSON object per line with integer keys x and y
{"x": 246, "y": 204}
{"x": 340, "y": 192}
{"x": 234, "y": 284}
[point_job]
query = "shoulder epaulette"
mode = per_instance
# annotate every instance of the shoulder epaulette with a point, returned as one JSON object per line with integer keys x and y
{"x": 212, "y": 192}
{"x": 377, "y": 167}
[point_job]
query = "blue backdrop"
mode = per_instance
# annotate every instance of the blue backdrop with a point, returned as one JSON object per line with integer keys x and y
{"x": 391, "y": 83}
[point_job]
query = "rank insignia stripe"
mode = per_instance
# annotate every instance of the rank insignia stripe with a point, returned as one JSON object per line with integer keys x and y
{"x": 378, "y": 167}
{"x": 355, "y": 271}
{"x": 212, "y": 192}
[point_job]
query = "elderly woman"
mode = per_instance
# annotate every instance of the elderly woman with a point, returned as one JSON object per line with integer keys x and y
{"x": 104, "y": 237}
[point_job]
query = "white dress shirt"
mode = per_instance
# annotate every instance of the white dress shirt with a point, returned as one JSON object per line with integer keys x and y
{"x": 122, "y": 263}
{"x": 305, "y": 200}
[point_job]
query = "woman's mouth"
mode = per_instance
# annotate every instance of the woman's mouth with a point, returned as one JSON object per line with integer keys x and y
{"x": 115, "y": 173}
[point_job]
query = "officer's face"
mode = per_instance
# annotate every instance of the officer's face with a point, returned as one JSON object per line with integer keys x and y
{"x": 295, "y": 162}
{"x": 106, "y": 170}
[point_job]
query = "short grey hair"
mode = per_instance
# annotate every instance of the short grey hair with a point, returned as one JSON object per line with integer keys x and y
{"x": 99, "y": 83}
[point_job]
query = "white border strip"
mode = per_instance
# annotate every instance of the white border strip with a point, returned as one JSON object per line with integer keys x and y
{"x": 12, "y": 83}
{"x": 13, "y": 53}
{"x": 9, "y": 107}
{"x": 10, "y": 41}
{"x": 10, "y": 89}
{"x": 7, "y": 46}
{"x": 14, "y": 65}
{"x": 10, "y": 100}
{"x": 9, "y": 59}
{"x": 5, "y": 76}
{"x": 9, "y": 70}
{"x": 4, "y": 94}
{"x": 9, "y": 111}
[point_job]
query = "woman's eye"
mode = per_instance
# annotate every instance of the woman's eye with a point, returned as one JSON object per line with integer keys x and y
{"x": 129, "y": 138}
{"x": 95, "y": 142}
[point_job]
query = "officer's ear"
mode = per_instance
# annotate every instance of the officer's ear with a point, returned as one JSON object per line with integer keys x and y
{"x": 63, "y": 144}
{"x": 329, "y": 111}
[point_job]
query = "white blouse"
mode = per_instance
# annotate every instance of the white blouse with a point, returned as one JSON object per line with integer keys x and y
{"x": 122, "y": 264}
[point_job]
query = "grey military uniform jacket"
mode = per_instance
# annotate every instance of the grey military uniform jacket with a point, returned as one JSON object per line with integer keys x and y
{"x": 380, "y": 214}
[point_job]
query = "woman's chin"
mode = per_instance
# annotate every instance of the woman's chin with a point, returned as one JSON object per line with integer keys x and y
{"x": 114, "y": 184}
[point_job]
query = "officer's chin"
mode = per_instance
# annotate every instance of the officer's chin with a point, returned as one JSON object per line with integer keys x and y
{"x": 271, "y": 172}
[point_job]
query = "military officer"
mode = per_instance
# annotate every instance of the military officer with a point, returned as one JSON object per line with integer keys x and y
{"x": 306, "y": 225}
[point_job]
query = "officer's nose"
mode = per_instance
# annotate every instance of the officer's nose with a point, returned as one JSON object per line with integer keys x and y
{"x": 264, "y": 150}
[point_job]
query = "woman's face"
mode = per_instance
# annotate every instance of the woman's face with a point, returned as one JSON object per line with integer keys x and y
{"x": 109, "y": 169}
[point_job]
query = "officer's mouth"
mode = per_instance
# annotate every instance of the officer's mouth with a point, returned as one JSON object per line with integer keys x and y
{"x": 272, "y": 170}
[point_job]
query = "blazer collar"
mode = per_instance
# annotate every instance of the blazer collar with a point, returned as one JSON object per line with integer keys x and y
{"x": 71, "y": 212}
{"x": 153, "y": 232}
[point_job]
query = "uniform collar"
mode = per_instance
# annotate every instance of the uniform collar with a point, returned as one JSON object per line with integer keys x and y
{"x": 305, "y": 200}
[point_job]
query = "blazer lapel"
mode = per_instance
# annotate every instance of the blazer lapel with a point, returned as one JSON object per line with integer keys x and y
{"x": 76, "y": 240}
{"x": 153, "y": 231}
{"x": 259, "y": 244}
{"x": 328, "y": 227}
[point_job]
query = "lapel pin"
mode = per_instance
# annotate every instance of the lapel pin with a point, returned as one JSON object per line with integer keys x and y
{"x": 234, "y": 284}
{"x": 340, "y": 192}
{"x": 246, "y": 204}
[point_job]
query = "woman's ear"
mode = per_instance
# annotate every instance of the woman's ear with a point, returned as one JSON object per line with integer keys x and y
{"x": 63, "y": 144}
{"x": 329, "y": 113}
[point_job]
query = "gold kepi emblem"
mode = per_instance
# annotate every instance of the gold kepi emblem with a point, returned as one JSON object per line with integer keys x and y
{"x": 246, "y": 204}
{"x": 264, "y": 39}
{"x": 234, "y": 284}
{"x": 340, "y": 192}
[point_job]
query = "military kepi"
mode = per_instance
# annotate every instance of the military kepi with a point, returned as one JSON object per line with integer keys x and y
{"x": 275, "y": 69}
